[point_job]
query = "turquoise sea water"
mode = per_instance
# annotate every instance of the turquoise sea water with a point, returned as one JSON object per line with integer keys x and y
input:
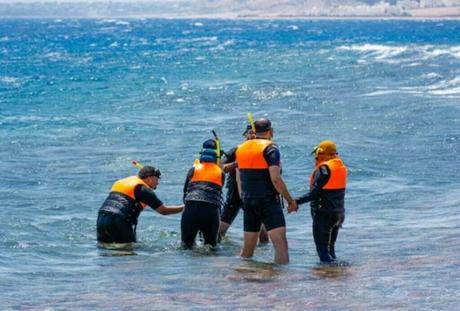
{"x": 80, "y": 99}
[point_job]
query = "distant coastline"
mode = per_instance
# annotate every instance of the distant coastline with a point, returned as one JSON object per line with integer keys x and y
{"x": 139, "y": 10}
{"x": 451, "y": 12}
{"x": 235, "y": 17}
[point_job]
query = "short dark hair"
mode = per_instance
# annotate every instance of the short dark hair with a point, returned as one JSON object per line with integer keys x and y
{"x": 262, "y": 125}
{"x": 148, "y": 171}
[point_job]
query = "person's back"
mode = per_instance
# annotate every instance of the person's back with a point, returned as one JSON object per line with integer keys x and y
{"x": 260, "y": 182}
{"x": 203, "y": 199}
{"x": 331, "y": 195}
{"x": 205, "y": 183}
{"x": 254, "y": 158}
{"x": 118, "y": 215}
{"x": 233, "y": 201}
{"x": 122, "y": 199}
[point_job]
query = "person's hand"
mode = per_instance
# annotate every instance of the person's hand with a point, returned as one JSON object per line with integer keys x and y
{"x": 292, "y": 206}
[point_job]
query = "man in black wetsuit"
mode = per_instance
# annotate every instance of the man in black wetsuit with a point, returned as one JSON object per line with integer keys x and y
{"x": 203, "y": 198}
{"x": 117, "y": 217}
{"x": 327, "y": 196}
{"x": 233, "y": 201}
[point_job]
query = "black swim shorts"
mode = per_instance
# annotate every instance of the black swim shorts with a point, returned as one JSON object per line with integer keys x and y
{"x": 265, "y": 211}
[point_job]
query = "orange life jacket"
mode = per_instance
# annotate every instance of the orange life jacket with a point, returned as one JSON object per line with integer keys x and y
{"x": 207, "y": 172}
{"x": 255, "y": 176}
{"x": 127, "y": 186}
{"x": 338, "y": 178}
{"x": 250, "y": 154}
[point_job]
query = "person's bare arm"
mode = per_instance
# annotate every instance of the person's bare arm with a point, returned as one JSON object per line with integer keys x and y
{"x": 280, "y": 186}
{"x": 167, "y": 210}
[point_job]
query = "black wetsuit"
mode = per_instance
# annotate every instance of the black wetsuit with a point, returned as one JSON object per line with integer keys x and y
{"x": 202, "y": 210}
{"x": 328, "y": 213}
{"x": 232, "y": 203}
{"x": 117, "y": 217}
{"x": 261, "y": 202}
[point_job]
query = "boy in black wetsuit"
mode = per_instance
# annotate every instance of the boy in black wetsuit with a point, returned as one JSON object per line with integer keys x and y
{"x": 203, "y": 198}
{"x": 327, "y": 196}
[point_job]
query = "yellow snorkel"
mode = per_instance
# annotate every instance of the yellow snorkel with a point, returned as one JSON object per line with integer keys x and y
{"x": 137, "y": 164}
{"x": 251, "y": 122}
{"x": 217, "y": 147}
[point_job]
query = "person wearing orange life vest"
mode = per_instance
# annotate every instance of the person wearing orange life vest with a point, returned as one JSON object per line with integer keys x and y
{"x": 260, "y": 184}
{"x": 232, "y": 202}
{"x": 327, "y": 195}
{"x": 203, "y": 198}
{"x": 118, "y": 215}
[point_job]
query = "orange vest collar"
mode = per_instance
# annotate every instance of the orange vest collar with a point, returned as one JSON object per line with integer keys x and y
{"x": 207, "y": 172}
{"x": 127, "y": 186}
{"x": 250, "y": 154}
{"x": 338, "y": 178}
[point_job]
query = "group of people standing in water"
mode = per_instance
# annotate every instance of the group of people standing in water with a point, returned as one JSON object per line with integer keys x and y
{"x": 254, "y": 184}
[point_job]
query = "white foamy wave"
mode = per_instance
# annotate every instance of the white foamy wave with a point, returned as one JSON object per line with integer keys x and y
{"x": 456, "y": 51}
{"x": 122, "y": 23}
{"x": 199, "y": 39}
{"x": 452, "y": 91}
{"x": 263, "y": 95}
{"x": 411, "y": 54}
{"x": 64, "y": 56}
{"x": 107, "y": 21}
{"x": 413, "y": 64}
{"x": 34, "y": 118}
{"x": 55, "y": 56}
{"x": 449, "y": 87}
{"x": 431, "y": 75}
{"x": 4, "y": 39}
{"x": 441, "y": 88}
{"x": 430, "y": 51}
{"x": 143, "y": 41}
{"x": 10, "y": 81}
{"x": 379, "y": 93}
{"x": 223, "y": 45}
{"x": 198, "y": 24}
{"x": 293, "y": 27}
{"x": 228, "y": 42}
{"x": 287, "y": 94}
{"x": 115, "y": 22}
{"x": 380, "y": 52}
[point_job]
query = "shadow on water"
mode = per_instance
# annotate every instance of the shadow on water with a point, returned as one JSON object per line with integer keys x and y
{"x": 253, "y": 271}
{"x": 116, "y": 249}
{"x": 335, "y": 270}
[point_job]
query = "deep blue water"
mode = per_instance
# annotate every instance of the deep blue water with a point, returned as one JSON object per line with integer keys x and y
{"x": 80, "y": 99}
